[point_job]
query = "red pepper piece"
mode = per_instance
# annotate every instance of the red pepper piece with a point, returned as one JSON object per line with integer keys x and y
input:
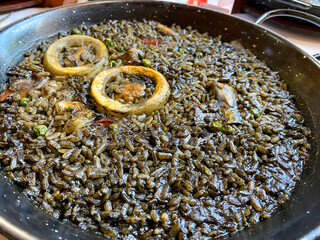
{"x": 6, "y": 94}
{"x": 105, "y": 122}
{"x": 154, "y": 42}
{"x": 132, "y": 63}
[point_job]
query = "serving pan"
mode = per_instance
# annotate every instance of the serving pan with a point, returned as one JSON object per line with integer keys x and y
{"x": 298, "y": 218}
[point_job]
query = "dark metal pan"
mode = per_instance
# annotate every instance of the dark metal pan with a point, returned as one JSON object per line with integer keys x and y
{"x": 299, "y": 217}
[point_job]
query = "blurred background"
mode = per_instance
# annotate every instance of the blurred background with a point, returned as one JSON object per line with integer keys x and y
{"x": 300, "y": 32}
{"x": 231, "y": 6}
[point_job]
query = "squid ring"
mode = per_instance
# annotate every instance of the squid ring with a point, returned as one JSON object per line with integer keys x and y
{"x": 108, "y": 105}
{"x": 51, "y": 57}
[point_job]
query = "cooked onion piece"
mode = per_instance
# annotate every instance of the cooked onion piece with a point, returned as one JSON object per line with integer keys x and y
{"x": 108, "y": 105}
{"x": 51, "y": 58}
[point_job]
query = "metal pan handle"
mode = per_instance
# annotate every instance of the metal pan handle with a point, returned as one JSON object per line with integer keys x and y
{"x": 317, "y": 56}
{"x": 300, "y": 4}
{"x": 291, "y": 13}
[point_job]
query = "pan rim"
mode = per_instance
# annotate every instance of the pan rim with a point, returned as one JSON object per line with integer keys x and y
{"x": 316, "y": 63}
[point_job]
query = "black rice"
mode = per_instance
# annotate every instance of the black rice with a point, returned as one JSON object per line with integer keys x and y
{"x": 166, "y": 175}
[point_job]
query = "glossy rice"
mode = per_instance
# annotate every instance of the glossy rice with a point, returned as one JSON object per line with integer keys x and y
{"x": 168, "y": 174}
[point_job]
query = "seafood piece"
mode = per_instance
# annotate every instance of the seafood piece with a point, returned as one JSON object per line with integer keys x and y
{"x": 108, "y": 105}
{"x": 24, "y": 85}
{"x": 165, "y": 30}
{"x": 130, "y": 92}
{"x": 131, "y": 57}
{"x": 51, "y": 58}
{"x": 78, "y": 58}
{"x": 79, "y": 115}
{"x": 227, "y": 97}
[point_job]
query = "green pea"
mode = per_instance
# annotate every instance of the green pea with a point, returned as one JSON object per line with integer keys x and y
{"x": 227, "y": 129}
{"x": 112, "y": 63}
{"x": 199, "y": 54}
{"x": 146, "y": 62}
{"x": 109, "y": 43}
{"x": 121, "y": 49}
{"x": 215, "y": 126}
{"x": 299, "y": 119}
{"x": 24, "y": 101}
{"x": 255, "y": 112}
{"x": 113, "y": 127}
{"x": 164, "y": 138}
{"x": 40, "y": 130}
{"x": 75, "y": 31}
